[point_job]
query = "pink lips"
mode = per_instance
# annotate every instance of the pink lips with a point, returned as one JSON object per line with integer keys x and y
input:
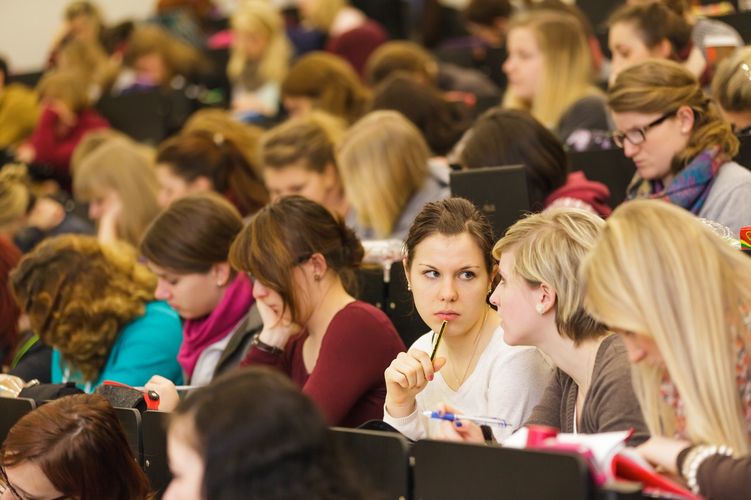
{"x": 447, "y": 315}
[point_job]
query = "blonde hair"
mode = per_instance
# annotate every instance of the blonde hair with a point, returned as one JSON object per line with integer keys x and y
{"x": 731, "y": 85}
{"x": 261, "y": 18}
{"x": 661, "y": 86}
{"x": 120, "y": 166}
{"x": 88, "y": 58}
{"x": 324, "y": 12}
{"x": 330, "y": 82}
{"x": 68, "y": 86}
{"x": 383, "y": 161}
{"x": 549, "y": 247}
{"x": 310, "y": 139}
{"x": 658, "y": 271}
{"x": 568, "y": 71}
{"x": 15, "y": 196}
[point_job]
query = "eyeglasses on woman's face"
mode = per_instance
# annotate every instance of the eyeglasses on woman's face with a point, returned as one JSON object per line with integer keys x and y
{"x": 637, "y": 136}
{"x": 7, "y": 487}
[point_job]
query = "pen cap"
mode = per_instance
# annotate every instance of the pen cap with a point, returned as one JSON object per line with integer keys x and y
{"x": 537, "y": 434}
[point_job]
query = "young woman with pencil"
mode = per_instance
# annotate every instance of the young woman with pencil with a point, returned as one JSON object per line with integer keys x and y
{"x": 450, "y": 272}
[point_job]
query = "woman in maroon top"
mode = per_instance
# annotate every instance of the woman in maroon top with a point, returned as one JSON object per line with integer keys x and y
{"x": 334, "y": 347}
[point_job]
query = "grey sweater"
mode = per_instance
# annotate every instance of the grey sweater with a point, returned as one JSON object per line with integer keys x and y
{"x": 610, "y": 405}
{"x": 729, "y": 200}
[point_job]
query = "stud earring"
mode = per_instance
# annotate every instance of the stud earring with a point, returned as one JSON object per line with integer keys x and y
{"x": 317, "y": 277}
{"x": 540, "y": 309}
{"x": 409, "y": 287}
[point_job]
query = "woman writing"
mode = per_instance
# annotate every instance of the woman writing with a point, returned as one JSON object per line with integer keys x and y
{"x": 330, "y": 344}
{"x": 683, "y": 314}
{"x": 450, "y": 272}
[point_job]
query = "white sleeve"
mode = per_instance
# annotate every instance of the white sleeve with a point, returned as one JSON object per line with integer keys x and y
{"x": 515, "y": 386}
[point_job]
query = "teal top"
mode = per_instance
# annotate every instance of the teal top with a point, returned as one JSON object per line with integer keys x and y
{"x": 145, "y": 347}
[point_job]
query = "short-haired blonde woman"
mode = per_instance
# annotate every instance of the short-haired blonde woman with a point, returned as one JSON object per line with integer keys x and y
{"x": 731, "y": 88}
{"x": 259, "y": 59}
{"x": 119, "y": 183}
{"x": 550, "y": 73}
{"x": 683, "y": 309}
{"x": 681, "y": 146}
{"x": 299, "y": 157}
{"x": 94, "y": 305}
{"x": 326, "y": 82}
{"x": 351, "y": 35}
{"x": 383, "y": 160}
{"x": 541, "y": 303}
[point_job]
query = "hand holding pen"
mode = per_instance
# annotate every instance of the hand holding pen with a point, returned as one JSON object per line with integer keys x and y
{"x": 457, "y": 427}
{"x": 406, "y": 377}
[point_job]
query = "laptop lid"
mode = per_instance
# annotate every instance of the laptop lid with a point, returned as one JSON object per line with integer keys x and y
{"x": 499, "y": 192}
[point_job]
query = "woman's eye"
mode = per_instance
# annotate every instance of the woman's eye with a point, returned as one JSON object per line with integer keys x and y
{"x": 467, "y": 275}
{"x": 430, "y": 274}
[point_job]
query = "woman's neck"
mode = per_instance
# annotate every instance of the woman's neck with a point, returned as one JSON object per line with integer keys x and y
{"x": 577, "y": 361}
{"x": 333, "y": 298}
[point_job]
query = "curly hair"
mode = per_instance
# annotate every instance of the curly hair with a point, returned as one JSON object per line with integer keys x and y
{"x": 79, "y": 295}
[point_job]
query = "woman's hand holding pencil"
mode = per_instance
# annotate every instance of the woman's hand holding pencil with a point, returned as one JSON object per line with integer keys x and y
{"x": 407, "y": 375}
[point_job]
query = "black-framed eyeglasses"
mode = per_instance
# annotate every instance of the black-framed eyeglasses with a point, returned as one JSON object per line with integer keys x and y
{"x": 637, "y": 136}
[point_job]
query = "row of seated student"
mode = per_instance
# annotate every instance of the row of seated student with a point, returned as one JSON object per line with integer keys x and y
{"x": 689, "y": 401}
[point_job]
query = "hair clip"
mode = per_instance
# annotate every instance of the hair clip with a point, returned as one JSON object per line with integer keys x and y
{"x": 746, "y": 69}
{"x": 218, "y": 139}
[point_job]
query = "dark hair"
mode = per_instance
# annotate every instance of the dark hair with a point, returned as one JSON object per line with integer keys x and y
{"x": 450, "y": 217}
{"x": 286, "y": 453}
{"x": 400, "y": 56}
{"x": 310, "y": 139}
{"x": 655, "y": 22}
{"x": 507, "y": 137}
{"x": 441, "y": 123}
{"x": 284, "y": 234}
{"x": 200, "y": 154}
{"x": 192, "y": 234}
{"x": 9, "y": 311}
{"x": 485, "y": 12}
{"x": 80, "y": 446}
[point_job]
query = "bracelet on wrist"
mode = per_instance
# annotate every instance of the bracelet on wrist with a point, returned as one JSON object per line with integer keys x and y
{"x": 263, "y": 346}
{"x": 695, "y": 457}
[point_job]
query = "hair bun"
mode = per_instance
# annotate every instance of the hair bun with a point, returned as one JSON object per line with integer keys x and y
{"x": 352, "y": 249}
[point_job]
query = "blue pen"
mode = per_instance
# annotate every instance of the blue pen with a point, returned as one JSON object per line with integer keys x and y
{"x": 451, "y": 417}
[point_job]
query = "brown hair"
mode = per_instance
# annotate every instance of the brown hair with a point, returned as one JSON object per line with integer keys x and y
{"x": 284, "y": 234}
{"x": 193, "y": 234}
{"x": 442, "y": 123}
{"x": 16, "y": 198}
{"x": 201, "y": 154}
{"x": 451, "y": 217}
{"x": 179, "y": 57}
{"x": 510, "y": 136}
{"x": 661, "y": 86}
{"x": 310, "y": 139}
{"x": 731, "y": 85}
{"x": 330, "y": 82}
{"x": 68, "y": 86}
{"x": 400, "y": 56}
{"x": 486, "y": 12}
{"x": 79, "y": 294}
{"x": 80, "y": 446}
{"x": 655, "y": 22}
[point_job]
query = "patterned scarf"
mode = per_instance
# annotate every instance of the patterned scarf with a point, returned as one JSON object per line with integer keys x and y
{"x": 689, "y": 188}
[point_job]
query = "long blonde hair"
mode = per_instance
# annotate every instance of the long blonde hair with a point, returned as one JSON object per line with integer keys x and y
{"x": 324, "y": 12}
{"x": 659, "y": 272}
{"x": 259, "y": 17}
{"x": 120, "y": 165}
{"x": 567, "y": 60}
{"x": 383, "y": 161}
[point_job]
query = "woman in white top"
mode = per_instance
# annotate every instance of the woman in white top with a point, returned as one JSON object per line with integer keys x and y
{"x": 450, "y": 272}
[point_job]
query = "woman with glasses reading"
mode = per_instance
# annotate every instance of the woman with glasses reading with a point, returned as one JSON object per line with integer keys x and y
{"x": 334, "y": 347}
{"x": 681, "y": 146}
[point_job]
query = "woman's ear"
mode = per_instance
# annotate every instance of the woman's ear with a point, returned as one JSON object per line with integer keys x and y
{"x": 663, "y": 49}
{"x": 318, "y": 265}
{"x": 686, "y": 117}
{"x": 201, "y": 184}
{"x": 546, "y": 299}
{"x": 221, "y": 273}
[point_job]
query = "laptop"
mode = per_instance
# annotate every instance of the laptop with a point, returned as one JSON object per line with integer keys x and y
{"x": 499, "y": 192}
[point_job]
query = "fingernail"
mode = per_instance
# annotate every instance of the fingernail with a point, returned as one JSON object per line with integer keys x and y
{"x": 430, "y": 378}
